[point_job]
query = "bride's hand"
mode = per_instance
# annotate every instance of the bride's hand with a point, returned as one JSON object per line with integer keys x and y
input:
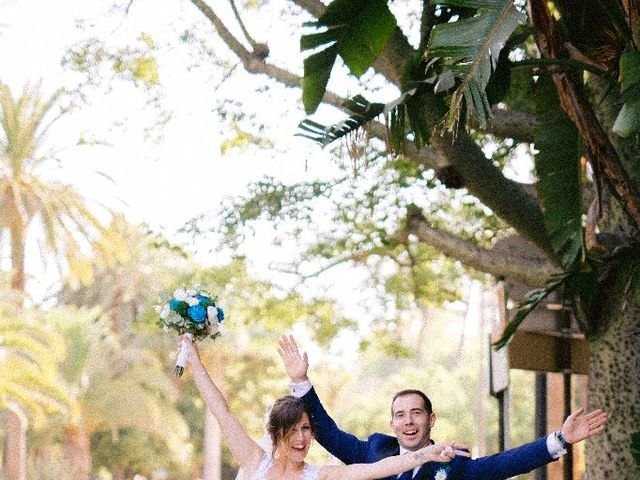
{"x": 190, "y": 346}
{"x": 296, "y": 365}
{"x": 444, "y": 452}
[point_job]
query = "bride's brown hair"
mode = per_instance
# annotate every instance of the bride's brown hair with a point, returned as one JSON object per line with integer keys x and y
{"x": 285, "y": 413}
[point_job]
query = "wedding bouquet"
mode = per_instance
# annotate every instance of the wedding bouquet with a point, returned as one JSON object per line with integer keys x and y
{"x": 192, "y": 312}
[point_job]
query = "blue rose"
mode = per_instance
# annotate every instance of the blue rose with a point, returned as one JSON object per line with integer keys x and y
{"x": 204, "y": 300}
{"x": 174, "y": 304}
{"x": 220, "y": 314}
{"x": 197, "y": 313}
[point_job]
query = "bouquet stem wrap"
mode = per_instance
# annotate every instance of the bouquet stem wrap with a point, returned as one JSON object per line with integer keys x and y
{"x": 183, "y": 356}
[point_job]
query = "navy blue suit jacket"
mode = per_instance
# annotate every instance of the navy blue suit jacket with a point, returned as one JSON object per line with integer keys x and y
{"x": 349, "y": 449}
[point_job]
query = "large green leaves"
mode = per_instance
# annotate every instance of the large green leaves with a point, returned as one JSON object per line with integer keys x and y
{"x": 558, "y": 169}
{"x": 357, "y": 30}
{"x": 471, "y": 48}
{"x": 628, "y": 120}
{"x": 559, "y": 188}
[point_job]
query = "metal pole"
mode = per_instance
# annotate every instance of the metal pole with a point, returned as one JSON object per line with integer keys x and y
{"x": 565, "y": 324}
{"x": 541, "y": 417}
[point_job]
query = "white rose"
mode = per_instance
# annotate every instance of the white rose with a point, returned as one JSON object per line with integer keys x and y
{"x": 212, "y": 314}
{"x": 214, "y": 328}
{"x": 192, "y": 301}
{"x": 180, "y": 294}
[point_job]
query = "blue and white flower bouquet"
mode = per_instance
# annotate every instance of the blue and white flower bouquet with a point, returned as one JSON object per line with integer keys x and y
{"x": 192, "y": 312}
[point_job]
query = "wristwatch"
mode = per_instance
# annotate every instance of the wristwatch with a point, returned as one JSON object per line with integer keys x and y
{"x": 562, "y": 440}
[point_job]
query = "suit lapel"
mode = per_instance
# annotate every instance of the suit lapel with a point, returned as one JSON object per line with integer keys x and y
{"x": 389, "y": 452}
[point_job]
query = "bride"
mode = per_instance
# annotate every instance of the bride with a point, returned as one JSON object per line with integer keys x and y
{"x": 292, "y": 432}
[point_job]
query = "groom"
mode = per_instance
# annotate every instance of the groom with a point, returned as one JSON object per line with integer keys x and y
{"x": 412, "y": 418}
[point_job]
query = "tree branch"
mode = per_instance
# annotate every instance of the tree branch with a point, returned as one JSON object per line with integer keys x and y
{"x": 509, "y": 124}
{"x": 510, "y": 200}
{"x": 529, "y": 271}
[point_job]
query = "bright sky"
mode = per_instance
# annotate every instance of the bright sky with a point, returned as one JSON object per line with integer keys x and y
{"x": 161, "y": 183}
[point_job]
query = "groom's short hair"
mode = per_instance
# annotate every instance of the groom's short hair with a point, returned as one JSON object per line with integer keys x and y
{"x": 427, "y": 403}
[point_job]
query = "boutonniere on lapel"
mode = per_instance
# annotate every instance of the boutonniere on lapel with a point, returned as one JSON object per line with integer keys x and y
{"x": 442, "y": 473}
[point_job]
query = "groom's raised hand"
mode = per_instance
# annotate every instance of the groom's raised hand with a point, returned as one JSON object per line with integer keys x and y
{"x": 296, "y": 365}
{"x": 579, "y": 425}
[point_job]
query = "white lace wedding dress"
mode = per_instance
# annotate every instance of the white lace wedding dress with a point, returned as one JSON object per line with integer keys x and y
{"x": 310, "y": 472}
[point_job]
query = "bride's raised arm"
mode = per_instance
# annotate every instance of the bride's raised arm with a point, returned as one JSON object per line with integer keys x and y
{"x": 245, "y": 451}
{"x": 394, "y": 465}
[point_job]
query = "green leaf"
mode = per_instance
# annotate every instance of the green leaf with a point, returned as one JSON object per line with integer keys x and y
{"x": 363, "y": 112}
{"x": 532, "y": 300}
{"x": 628, "y": 120}
{"x": 357, "y": 30}
{"x": 317, "y": 70}
{"x": 471, "y": 60}
{"x": 558, "y": 169}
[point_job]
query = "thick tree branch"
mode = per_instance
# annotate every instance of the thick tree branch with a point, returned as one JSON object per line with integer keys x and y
{"x": 509, "y": 124}
{"x": 510, "y": 200}
{"x": 528, "y": 271}
{"x": 575, "y": 103}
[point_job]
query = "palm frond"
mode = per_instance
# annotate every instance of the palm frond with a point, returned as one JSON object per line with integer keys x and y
{"x": 362, "y": 112}
{"x": 472, "y": 61}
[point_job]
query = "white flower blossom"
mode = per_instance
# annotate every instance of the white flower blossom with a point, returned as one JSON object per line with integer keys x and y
{"x": 173, "y": 317}
{"x": 441, "y": 474}
{"x": 180, "y": 294}
{"x": 157, "y": 308}
{"x": 192, "y": 292}
{"x": 192, "y": 301}
{"x": 212, "y": 314}
{"x": 214, "y": 328}
{"x": 164, "y": 313}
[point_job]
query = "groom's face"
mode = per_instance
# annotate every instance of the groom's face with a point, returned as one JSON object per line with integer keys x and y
{"x": 410, "y": 421}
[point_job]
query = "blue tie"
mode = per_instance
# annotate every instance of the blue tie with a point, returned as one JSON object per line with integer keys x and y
{"x": 406, "y": 475}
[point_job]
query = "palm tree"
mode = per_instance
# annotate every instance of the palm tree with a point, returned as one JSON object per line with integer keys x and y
{"x": 30, "y": 389}
{"x": 114, "y": 387}
{"x": 26, "y": 198}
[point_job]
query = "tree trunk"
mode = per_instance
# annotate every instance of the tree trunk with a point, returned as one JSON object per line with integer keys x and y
{"x": 77, "y": 451}
{"x": 614, "y": 385}
{"x": 15, "y": 449}
{"x": 17, "y": 260}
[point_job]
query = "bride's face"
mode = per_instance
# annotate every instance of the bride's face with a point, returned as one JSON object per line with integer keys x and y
{"x": 296, "y": 443}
